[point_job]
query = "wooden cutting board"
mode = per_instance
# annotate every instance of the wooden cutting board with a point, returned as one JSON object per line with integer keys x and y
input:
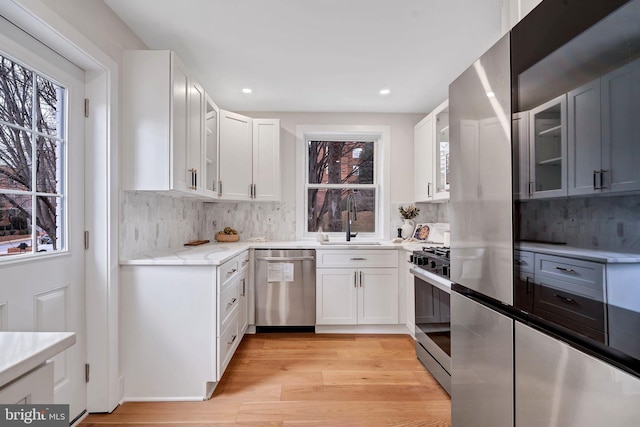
{"x": 196, "y": 242}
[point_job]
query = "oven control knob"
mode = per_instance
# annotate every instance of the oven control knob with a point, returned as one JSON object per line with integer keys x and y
{"x": 412, "y": 259}
{"x": 432, "y": 264}
{"x": 445, "y": 270}
{"x": 420, "y": 260}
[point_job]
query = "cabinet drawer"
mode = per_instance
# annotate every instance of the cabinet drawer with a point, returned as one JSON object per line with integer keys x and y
{"x": 582, "y": 314}
{"x": 588, "y": 276}
{"x": 228, "y": 271}
{"x": 524, "y": 261}
{"x": 243, "y": 261}
{"x": 229, "y": 300}
{"x": 357, "y": 258}
{"x": 227, "y": 343}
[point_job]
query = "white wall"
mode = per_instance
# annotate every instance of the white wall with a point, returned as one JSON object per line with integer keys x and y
{"x": 96, "y": 21}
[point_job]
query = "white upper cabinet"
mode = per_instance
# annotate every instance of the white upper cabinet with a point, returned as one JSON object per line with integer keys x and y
{"x": 249, "y": 158}
{"x": 583, "y": 142}
{"x": 603, "y": 133}
{"x": 236, "y": 156}
{"x": 163, "y": 124}
{"x": 423, "y": 159}
{"x": 520, "y": 137}
{"x": 584, "y": 136}
{"x": 621, "y": 128}
{"x": 210, "y": 149}
{"x": 431, "y": 156}
{"x": 266, "y": 159}
{"x": 548, "y": 148}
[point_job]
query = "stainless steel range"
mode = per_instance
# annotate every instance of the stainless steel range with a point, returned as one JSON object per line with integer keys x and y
{"x": 433, "y": 327}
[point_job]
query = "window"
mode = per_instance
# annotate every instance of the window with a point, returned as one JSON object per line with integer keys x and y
{"x": 338, "y": 164}
{"x": 32, "y": 141}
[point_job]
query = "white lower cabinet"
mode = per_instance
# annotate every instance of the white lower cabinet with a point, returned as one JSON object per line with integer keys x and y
{"x": 180, "y": 326}
{"x": 34, "y": 387}
{"x": 409, "y": 292}
{"x": 356, "y": 287}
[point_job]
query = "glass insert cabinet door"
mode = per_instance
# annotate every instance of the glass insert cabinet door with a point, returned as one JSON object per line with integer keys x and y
{"x": 549, "y": 148}
{"x": 442, "y": 151}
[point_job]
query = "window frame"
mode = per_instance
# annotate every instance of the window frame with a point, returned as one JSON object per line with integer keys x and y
{"x": 380, "y": 136}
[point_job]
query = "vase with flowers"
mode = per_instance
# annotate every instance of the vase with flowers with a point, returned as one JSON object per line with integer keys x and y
{"x": 408, "y": 225}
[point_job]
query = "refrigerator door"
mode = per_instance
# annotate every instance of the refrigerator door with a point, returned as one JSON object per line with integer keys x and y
{"x": 557, "y": 385}
{"x": 481, "y": 364}
{"x": 481, "y": 195}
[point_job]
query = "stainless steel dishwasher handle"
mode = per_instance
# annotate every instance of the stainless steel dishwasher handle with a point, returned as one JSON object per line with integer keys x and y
{"x": 292, "y": 258}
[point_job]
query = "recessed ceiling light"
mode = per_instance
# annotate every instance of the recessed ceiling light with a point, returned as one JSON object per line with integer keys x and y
{"x": 491, "y": 94}
{"x": 246, "y": 90}
{"x": 385, "y": 92}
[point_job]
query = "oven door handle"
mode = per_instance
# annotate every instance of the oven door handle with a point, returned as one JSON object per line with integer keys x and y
{"x": 431, "y": 279}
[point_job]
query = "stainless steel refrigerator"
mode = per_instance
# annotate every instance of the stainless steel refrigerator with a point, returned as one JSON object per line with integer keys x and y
{"x": 545, "y": 214}
{"x": 481, "y": 240}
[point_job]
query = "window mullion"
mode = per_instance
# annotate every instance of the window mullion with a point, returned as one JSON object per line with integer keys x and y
{"x": 34, "y": 157}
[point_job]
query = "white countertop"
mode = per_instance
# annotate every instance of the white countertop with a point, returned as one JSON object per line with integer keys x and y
{"x": 218, "y": 253}
{"x": 595, "y": 255}
{"x": 20, "y": 352}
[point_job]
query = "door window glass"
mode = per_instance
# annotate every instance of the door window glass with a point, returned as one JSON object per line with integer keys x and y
{"x": 32, "y": 154}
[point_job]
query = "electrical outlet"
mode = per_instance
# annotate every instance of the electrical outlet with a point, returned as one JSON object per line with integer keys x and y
{"x": 269, "y": 220}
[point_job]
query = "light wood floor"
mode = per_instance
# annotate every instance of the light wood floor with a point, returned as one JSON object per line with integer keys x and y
{"x": 308, "y": 380}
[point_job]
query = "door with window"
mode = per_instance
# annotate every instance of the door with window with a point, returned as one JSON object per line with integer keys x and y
{"x": 41, "y": 201}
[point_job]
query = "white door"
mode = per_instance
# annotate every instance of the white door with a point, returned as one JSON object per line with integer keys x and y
{"x": 41, "y": 202}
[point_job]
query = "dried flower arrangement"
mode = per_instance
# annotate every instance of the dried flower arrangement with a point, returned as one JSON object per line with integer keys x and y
{"x": 409, "y": 212}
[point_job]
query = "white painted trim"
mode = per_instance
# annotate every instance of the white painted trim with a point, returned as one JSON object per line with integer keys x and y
{"x": 102, "y": 197}
{"x": 362, "y": 329}
{"x": 341, "y": 132}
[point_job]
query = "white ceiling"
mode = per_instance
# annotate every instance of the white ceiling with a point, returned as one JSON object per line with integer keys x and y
{"x": 320, "y": 55}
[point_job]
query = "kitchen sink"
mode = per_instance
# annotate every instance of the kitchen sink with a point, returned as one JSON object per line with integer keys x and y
{"x": 350, "y": 243}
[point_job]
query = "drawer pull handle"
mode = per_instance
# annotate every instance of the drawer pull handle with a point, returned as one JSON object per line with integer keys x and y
{"x": 358, "y": 259}
{"x": 520, "y": 262}
{"x": 232, "y": 340}
{"x": 233, "y": 270}
{"x": 564, "y": 298}
{"x": 566, "y": 270}
{"x": 233, "y": 301}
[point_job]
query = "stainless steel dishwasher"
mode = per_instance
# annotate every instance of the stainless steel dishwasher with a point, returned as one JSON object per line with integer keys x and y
{"x": 285, "y": 286}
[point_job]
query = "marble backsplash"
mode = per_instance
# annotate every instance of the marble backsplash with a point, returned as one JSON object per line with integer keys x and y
{"x": 151, "y": 222}
{"x": 271, "y": 220}
{"x": 606, "y": 223}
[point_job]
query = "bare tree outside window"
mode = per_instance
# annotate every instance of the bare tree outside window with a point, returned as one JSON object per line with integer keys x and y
{"x": 337, "y": 169}
{"x": 31, "y": 160}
